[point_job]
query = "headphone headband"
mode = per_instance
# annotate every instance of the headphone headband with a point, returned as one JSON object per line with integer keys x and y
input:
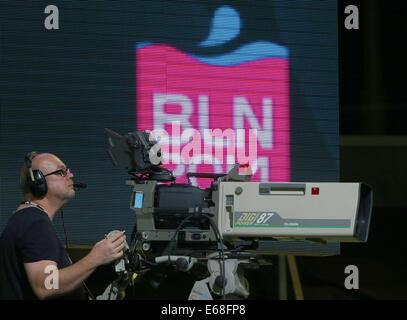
{"x": 36, "y": 180}
{"x": 28, "y": 162}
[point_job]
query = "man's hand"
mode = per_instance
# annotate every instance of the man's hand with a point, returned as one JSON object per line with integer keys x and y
{"x": 108, "y": 250}
{"x": 71, "y": 277}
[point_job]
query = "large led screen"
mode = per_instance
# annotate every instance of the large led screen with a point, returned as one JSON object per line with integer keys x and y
{"x": 218, "y": 82}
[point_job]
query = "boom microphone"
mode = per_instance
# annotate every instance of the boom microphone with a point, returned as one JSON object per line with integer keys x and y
{"x": 80, "y": 185}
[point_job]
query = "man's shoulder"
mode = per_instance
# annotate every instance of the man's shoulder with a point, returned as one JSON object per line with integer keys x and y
{"x": 23, "y": 219}
{"x": 30, "y": 214}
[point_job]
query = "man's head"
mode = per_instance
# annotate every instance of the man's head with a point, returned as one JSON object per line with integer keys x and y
{"x": 53, "y": 173}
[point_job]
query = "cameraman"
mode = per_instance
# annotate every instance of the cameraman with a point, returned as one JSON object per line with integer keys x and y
{"x": 31, "y": 253}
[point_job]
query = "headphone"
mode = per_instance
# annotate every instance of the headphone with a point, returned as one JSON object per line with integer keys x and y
{"x": 36, "y": 180}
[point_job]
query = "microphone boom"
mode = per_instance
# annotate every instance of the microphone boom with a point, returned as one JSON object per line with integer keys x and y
{"x": 80, "y": 185}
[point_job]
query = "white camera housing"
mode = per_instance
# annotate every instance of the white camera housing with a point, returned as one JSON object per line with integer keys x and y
{"x": 294, "y": 211}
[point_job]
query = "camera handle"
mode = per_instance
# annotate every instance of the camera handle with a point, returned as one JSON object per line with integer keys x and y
{"x": 213, "y": 176}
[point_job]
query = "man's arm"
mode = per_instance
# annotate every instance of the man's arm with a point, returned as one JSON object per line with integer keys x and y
{"x": 69, "y": 278}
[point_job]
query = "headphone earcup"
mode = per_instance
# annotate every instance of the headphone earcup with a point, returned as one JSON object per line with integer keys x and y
{"x": 39, "y": 186}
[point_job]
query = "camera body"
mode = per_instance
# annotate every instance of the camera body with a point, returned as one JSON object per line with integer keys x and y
{"x": 220, "y": 227}
{"x": 242, "y": 211}
{"x": 161, "y": 209}
{"x": 316, "y": 212}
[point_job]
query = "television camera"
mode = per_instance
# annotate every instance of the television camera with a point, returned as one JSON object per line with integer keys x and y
{"x": 220, "y": 227}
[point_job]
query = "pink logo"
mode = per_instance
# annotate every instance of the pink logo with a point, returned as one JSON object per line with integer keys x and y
{"x": 217, "y": 111}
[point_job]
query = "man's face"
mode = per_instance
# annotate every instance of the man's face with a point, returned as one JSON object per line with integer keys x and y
{"x": 58, "y": 176}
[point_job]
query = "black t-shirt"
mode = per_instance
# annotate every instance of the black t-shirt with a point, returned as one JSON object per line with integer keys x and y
{"x": 29, "y": 236}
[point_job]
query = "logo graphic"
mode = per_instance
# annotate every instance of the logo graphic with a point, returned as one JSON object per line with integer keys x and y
{"x": 253, "y": 218}
{"x": 211, "y": 112}
{"x": 273, "y": 219}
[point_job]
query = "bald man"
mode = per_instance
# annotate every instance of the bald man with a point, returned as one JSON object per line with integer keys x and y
{"x": 33, "y": 262}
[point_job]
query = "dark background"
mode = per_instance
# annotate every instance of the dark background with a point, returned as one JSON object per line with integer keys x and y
{"x": 372, "y": 69}
{"x": 373, "y": 149}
